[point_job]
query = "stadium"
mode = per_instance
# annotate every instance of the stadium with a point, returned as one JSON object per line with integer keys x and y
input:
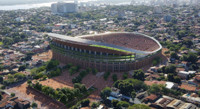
{"x": 113, "y": 51}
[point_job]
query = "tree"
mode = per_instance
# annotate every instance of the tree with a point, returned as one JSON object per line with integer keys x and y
{"x": 199, "y": 93}
{"x": 122, "y": 104}
{"x": 85, "y": 103}
{"x": 114, "y": 103}
{"x": 114, "y": 77}
{"x": 174, "y": 55}
{"x": 94, "y": 71}
{"x": 22, "y": 68}
{"x": 29, "y": 82}
{"x": 139, "y": 106}
{"x": 170, "y": 77}
{"x": 94, "y": 105}
{"x": 155, "y": 89}
{"x": 12, "y": 94}
{"x": 138, "y": 74}
{"x": 81, "y": 87}
{"x": 52, "y": 64}
{"x": 63, "y": 99}
{"x": 170, "y": 69}
{"x": 188, "y": 43}
{"x": 1, "y": 96}
{"x": 192, "y": 58}
{"x": 1, "y": 79}
{"x": 106, "y": 75}
{"x": 133, "y": 94}
{"x": 105, "y": 93}
{"x": 19, "y": 76}
{"x": 181, "y": 34}
{"x": 129, "y": 85}
{"x": 34, "y": 105}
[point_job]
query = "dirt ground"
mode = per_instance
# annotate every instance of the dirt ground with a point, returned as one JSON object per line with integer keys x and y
{"x": 46, "y": 56}
{"x": 65, "y": 80}
{"x": 43, "y": 102}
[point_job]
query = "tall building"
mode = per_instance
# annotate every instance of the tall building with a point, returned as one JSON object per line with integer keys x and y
{"x": 167, "y": 18}
{"x": 157, "y": 10}
{"x": 62, "y": 7}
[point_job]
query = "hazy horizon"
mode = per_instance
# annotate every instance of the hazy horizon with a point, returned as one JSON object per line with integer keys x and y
{"x": 11, "y": 2}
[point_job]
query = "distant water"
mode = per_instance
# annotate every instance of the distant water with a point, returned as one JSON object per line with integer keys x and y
{"x": 29, "y": 6}
{"x": 25, "y": 6}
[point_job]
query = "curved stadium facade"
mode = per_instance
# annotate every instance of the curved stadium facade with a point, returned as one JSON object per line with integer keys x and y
{"x": 115, "y": 52}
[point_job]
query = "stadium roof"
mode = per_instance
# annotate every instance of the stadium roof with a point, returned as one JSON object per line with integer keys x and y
{"x": 90, "y": 42}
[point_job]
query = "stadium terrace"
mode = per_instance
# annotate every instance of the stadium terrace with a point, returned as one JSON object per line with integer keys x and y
{"x": 115, "y": 52}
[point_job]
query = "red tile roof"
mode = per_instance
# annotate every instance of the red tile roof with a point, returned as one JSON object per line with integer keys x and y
{"x": 151, "y": 97}
{"x": 188, "y": 87}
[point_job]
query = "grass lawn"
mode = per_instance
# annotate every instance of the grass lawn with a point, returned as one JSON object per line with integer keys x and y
{"x": 111, "y": 48}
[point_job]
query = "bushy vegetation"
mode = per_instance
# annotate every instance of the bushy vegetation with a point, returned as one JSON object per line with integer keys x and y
{"x": 161, "y": 89}
{"x": 138, "y": 74}
{"x": 49, "y": 69}
{"x": 129, "y": 85}
{"x": 14, "y": 78}
{"x": 82, "y": 103}
{"x": 139, "y": 106}
{"x": 81, "y": 75}
{"x": 64, "y": 95}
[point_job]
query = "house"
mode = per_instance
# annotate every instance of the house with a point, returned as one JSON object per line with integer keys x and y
{"x": 166, "y": 102}
{"x": 187, "y": 87}
{"x": 8, "y": 102}
{"x": 22, "y": 104}
{"x": 154, "y": 69}
{"x": 171, "y": 85}
{"x": 151, "y": 98}
{"x": 192, "y": 98}
{"x": 162, "y": 102}
{"x": 185, "y": 74}
{"x": 175, "y": 104}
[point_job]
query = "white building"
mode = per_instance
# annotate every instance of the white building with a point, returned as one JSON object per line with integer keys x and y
{"x": 192, "y": 98}
{"x": 171, "y": 85}
{"x": 185, "y": 74}
{"x": 63, "y": 7}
